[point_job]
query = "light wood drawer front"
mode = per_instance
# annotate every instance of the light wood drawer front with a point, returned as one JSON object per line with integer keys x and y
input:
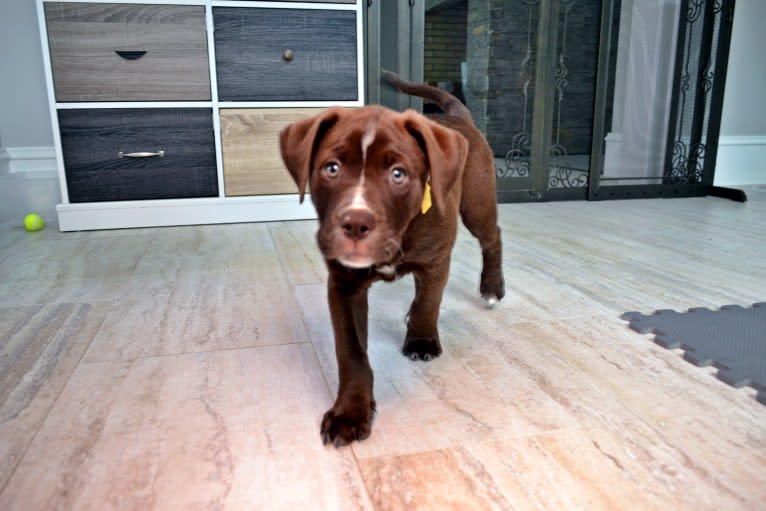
{"x": 265, "y": 54}
{"x": 251, "y": 159}
{"x": 85, "y": 39}
{"x": 92, "y": 140}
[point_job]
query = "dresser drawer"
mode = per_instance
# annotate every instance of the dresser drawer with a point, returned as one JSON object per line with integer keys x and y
{"x": 251, "y": 158}
{"x": 265, "y": 54}
{"x": 128, "y": 52}
{"x": 100, "y": 146}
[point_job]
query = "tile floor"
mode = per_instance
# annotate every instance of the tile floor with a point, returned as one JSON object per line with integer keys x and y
{"x": 188, "y": 368}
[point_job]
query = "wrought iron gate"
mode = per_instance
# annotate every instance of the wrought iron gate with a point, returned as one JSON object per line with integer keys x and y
{"x": 693, "y": 125}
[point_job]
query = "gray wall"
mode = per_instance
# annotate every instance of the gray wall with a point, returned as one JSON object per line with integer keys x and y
{"x": 24, "y": 117}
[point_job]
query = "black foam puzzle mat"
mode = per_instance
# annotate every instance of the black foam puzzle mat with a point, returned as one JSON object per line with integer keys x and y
{"x": 733, "y": 339}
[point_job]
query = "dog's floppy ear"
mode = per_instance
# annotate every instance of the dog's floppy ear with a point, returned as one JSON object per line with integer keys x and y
{"x": 446, "y": 151}
{"x": 298, "y": 143}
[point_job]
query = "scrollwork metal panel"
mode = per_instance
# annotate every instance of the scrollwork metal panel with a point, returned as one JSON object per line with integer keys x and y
{"x": 698, "y": 50}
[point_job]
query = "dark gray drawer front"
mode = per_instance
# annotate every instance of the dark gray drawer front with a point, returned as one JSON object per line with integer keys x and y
{"x": 250, "y": 46}
{"x": 92, "y": 140}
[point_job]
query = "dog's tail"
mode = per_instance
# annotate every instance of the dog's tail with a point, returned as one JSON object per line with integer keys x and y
{"x": 449, "y": 104}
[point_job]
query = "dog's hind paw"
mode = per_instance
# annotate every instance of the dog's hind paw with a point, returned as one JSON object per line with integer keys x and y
{"x": 418, "y": 348}
{"x": 490, "y": 301}
{"x": 492, "y": 287}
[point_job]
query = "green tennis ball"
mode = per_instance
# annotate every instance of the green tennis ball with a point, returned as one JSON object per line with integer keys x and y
{"x": 33, "y": 222}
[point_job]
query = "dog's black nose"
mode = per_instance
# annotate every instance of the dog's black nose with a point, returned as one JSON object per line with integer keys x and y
{"x": 357, "y": 223}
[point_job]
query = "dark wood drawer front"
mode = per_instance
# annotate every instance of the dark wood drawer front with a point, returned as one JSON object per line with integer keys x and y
{"x": 92, "y": 140}
{"x": 128, "y": 52}
{"x": 285, "y": 54}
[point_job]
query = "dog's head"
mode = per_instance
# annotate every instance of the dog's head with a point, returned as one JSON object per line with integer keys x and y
{"x": 368, "y": 170}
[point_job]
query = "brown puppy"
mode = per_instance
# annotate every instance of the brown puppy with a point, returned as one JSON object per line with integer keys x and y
{"x": 373, "y": 173}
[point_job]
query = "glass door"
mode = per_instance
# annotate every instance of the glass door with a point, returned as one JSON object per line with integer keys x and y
{"x": 527, "y": 70}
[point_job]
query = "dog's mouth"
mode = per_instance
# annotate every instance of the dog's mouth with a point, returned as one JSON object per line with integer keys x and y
{"x": 356, "y": 261}
{"x": 359, "y": 255}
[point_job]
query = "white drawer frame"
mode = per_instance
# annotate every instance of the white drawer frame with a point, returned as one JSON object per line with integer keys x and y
{"x": 166, "y": 212}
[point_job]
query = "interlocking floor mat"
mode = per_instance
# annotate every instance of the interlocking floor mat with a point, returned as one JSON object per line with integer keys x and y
{"x": 733, "y": 339}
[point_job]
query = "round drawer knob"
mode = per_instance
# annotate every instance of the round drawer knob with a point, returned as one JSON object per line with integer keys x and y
{"x": 288, "y": 55}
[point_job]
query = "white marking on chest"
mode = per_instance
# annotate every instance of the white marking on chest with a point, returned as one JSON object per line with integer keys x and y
{"x": 387, "y": 270}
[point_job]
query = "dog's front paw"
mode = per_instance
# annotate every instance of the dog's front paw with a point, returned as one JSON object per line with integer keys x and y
{"x": 343, "y": 425}
{"x": 420, "y": 348}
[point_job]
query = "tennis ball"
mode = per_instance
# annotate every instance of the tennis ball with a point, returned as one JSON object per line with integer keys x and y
{"x": 33, "y": 222}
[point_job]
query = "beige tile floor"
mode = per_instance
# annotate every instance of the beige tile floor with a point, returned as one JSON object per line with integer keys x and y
{"x": 188, "y": 368}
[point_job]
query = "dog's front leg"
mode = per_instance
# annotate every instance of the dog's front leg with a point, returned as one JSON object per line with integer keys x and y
{"x": 350, "y": 418}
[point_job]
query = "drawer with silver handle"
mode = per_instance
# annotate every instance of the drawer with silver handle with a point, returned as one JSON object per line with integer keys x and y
{"x": 138, "y": 153}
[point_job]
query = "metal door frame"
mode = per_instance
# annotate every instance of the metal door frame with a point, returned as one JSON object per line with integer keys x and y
{"x": 701, "y": 183}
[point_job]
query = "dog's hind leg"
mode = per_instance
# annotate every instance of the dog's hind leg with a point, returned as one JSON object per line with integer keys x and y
{"x": 478, "y": 210}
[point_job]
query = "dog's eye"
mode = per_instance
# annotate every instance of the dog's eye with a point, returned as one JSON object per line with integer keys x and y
{"x": 398, "y": 175}
{"x": 331, "y": 169}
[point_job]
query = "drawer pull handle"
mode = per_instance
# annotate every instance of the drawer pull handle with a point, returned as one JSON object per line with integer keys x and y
{"x": 288, "y": 55}
{"x": 130, "y": 55}
{"x": 142, "y": 154}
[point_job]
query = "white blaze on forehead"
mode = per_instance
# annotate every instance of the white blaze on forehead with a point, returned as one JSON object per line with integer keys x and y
{"x": 358, "y": 201}
{"x": 367, "y": 139}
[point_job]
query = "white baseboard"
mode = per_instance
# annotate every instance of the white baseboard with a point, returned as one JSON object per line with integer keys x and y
{"x": 30, "y": 162}
{"x": 129, "y": 214}
{"x": 741, "y": 160}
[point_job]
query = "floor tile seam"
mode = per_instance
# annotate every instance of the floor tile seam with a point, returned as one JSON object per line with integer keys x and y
{"x": 191, "y": 353}
{"x": 323, "y": 374}
{"x": 53, "y": 403}
{"x": 470, "y": 449}
{"x": 330, "y": 389}
{"x": 649, "y": 338}
{"x": 598, "y": 315}
{"x": 270, "y": 229}
{"x": 293, "y": 288}
{"x": 15, "y": 305}
{"x": 575, "y": 370}
{"x": 691, "y": 462}
{"x": 501, "y": 438}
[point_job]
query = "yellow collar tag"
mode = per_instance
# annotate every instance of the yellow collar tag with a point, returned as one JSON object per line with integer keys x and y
{"x": 426, "y": 204}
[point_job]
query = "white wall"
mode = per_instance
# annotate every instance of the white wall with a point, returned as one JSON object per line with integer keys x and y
{"x": 742, "y": 145}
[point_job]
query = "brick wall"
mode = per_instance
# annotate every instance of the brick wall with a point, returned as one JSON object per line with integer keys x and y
{"x": 444, "y": 45}
{"x": 494, "y": 44}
